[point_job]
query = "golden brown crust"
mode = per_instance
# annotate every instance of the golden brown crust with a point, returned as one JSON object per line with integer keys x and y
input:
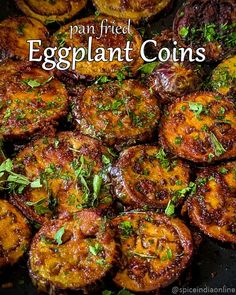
{"x": 30, "y": 99}
{"x": 71, "y": 253}
{"x": 171, "y": 80}
{"x": 141, "y": 178}
{"x": 92, "y": 69}
{"x": 14, "y": 33}
{"x": 51, "y": 11}
{"x": 69, "y": 166}
{"x": 14, "y": 234}
{"x": 136, "y": 10}
{"x": 154, "y": 250}
{"x": 208, "y": 24}
{"x": 200, "y": 127}
{"x": 213, "y": 208}
{"x": 223, "y": 78}
{"x": 120, "y": 114}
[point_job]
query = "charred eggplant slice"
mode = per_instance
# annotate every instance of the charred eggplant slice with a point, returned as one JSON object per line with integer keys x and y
{"x": 154, "y": 250}
{"x": 30, "y": 99}
{"x": 223, "y": 78}
{"x": 14, "y": 33}
{"x": 71, "y": 253}
{"x": 52, "y": 10}
{"x": 209, "y": 24}
{"x": 107, "y": 40}
{"x": 120, "y": 114}
{"x": 200, "y": 127}
{"x": 14, "y": 234}
{"x": 144, "y": 176}
{"x": 135, "y": 10}
{"x": 73, "y": 172}
{"x": 172, "y": 80}
{"x": 213, "y": 208}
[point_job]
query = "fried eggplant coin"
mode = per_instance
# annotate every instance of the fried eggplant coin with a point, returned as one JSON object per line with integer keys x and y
{"x": 14, "y": 234}
{"x": 120, "y": 114}
{"x": 73, "y": 172}
{"x": 135, "y": 10}
{"x": 71, "y": 253}
{"x": 145, "y": 176}
{"x": 213, "y": 208}
{"x": 223, "y": 78}
{"x": 51, "y": 11}
{"x": 92, "y": 61}
{"x": 200, "y": 127}
{"x": 171, "y": 80}
{"x": 14, "y": 34}
{"x": 208, "y": 24}
{"x": 154, "y": 249}
{"x": 30, "y": 99}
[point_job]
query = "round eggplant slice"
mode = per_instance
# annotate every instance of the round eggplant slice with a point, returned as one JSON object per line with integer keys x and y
{"x": 120, "y": 114}
{"x": 200, "y": 127}
{"x": 172, "y": 80}
{"x": 213, "y": 208}
{"x": 71, "y": 253}
{"x": 145, "y": 176}
{"x": 154, "y": 249}
{"x": 223, "y": 78}
{"x": 73, "y": 170}
{"x": 88, "y": 66}
{"x": 14, "y": 234}
{"x": 30, "y": 99}
{"x": 14, "y": 33}
{"x": 51, "y": 11}
{"x": 208, "y": 24}
{"x": 135, "y": 10}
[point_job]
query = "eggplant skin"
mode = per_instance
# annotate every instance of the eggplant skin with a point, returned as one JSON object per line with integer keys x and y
{"x": 83, "y": 257}
{"x": 51, "y": 11}
{"x": 172, "y": 80}
{"x": 68, "y": 164}
{"x": 135, "y": 10}
{"x": 208, "y": 24}
{"x": 91, "y": 70}
{"x": 154, "y": 249}
{"x": 213, "y": 208}
{"x": 31, "y": 98}
{"x": 223, "y": 78}
{"x": 14, "y": 33}
{"x": 140, "y": 179}
{"x": 120, "y": 114}
{"x": 15, "y": 234}
{"x": 200, "y": 127}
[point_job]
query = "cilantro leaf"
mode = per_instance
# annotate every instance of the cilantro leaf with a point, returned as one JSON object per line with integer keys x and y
{"x": 58, "y": 235}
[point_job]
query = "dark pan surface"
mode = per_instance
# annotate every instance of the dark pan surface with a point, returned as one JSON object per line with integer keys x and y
{"x": 213, "y": 267}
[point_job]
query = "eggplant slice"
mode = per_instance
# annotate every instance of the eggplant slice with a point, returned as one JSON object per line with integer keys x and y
{"x": 52, "y": 10}
{"x": 14, "y": 234}
{"x": 136, "y": 10}
{"x": 223, "y": 78}
{"x": 154, "y": 249}
{"x": 73, "y": 173}
{"x": 200, "y": 127}
{"x": 91, "y": 70}
{"x": 209, "y": 24}
{"x": 31, "y": 98}
{"x": 120, "y": 114}
{"x": 171, "y": 80}
{"x": 213, "y": 208}
{"x": 71, "y": 253}
{"x": 14, "y": 33}
{"x": 145, "y": 176}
